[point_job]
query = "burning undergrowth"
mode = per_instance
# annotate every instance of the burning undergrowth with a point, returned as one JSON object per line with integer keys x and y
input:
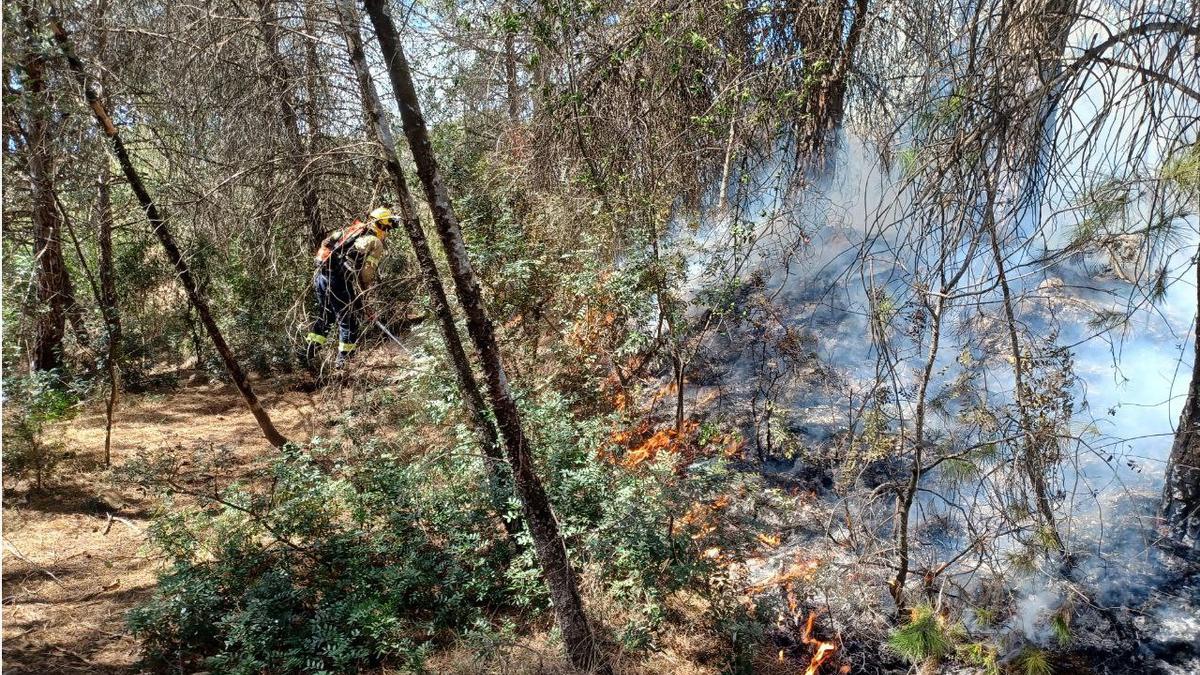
{"x": 824, "y": 363}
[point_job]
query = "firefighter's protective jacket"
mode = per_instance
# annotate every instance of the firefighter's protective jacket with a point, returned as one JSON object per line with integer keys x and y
{"x": 359, "y": 248}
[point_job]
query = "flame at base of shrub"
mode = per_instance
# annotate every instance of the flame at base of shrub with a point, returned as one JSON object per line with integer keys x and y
{"x": 823, "y": 649}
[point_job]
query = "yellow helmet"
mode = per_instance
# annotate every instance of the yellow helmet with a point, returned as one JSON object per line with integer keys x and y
{"x": 382, "y": 215}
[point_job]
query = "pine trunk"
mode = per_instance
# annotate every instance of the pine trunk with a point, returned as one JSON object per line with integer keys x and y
{"x": 53, "y": 297}
{"x": 159, "y": 225}
{"x": 1181, "y": 493}
{"x": 108, "y": 305}
{"x": 543, "y": 527}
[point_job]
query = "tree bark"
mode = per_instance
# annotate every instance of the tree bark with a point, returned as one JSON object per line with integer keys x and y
{"x": 381, "y": 131}
{"x": 108, "y": 305}
{"x": 828, "y": 60}
{"x": 50, "y": 271}
{"x": 1181, "y": 492}
{"x": 158, "y": 224}
{"x": 539, "y": 516}
{"x": 510, "y": 77}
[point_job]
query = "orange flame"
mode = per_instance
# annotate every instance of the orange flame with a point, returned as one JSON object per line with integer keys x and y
{"x": 701, "y": 515}
{"x": 662, "y": 392}
{"x": 664, "y": 439}
{"x": 824, "y": 649}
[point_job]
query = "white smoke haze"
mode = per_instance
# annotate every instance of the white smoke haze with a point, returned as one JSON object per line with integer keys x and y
{"x": 826, "y": 268}
{"x": 819, "y": 255}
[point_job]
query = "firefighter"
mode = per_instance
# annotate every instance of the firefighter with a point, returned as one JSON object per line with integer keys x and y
{"x": 347, "y": 263}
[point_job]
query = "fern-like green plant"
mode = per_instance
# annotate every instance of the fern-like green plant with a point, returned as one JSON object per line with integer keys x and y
{"x": 923, "y": 637}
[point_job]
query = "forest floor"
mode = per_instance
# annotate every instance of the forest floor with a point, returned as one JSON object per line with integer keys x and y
{"x": 76, "y": 558}
{"x": 74, "y": 555}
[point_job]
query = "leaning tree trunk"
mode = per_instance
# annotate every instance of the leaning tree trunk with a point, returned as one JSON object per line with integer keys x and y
{"x": 1032, "y": 456}
{"x": 539, "y": 517}
{"x": 158, "y": 224}
{"x": 381, "y": 129}
{"x": 50, "y": 270}
{"x": 1181, "y": 493}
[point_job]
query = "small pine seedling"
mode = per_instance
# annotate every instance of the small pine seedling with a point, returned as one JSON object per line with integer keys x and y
{"x": 922, "y": 638}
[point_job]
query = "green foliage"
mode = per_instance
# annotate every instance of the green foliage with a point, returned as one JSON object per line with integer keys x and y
{"x": 959, "y": 470}
{"x": 352, "y": 560}
{"x": 1183, "y": 172}
{"x": 1046, "y": 538}
{"x": 1033, "y": 661}
{"x": 923, "y": 637}
{"x": 30, "y": 403}
{"x": 908, "y": 159}
{"x": 324, "y": 573}
{"x": 986, "y": 616}
{"x": 615, "y": 519}
{"x": 982, "y": 655}
{"x": 258, "y": 305}
{"x": 1060, "y": 625}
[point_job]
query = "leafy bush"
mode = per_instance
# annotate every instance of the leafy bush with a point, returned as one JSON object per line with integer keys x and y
{"x": 323, "y": 573}
{"x": 351, "y": 560}
{"x": 31, "y": 402}
{"x": 621, "y": 523}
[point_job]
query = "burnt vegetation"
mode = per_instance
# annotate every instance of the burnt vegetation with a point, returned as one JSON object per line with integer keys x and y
{"x": 842, "y": 336}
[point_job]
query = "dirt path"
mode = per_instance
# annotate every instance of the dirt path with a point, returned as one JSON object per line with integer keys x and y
{"x": 70, "y": 571}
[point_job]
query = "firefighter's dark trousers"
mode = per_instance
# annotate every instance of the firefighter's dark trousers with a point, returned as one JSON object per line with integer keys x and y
{"x": 336, "y": 301}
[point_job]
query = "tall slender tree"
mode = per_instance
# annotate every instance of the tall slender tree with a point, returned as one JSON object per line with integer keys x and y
{"x": 539, "y": 516}
{"x": 380, "y": 128}
{"x": 108, "y": 300}
{"x": 109, "y": 307}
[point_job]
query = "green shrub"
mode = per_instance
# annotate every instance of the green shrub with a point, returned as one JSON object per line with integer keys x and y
{"x": 352, "y": 560}
{"x": 323, "y": 573}
{"x": 616, "y": 520}
{"x": 31, "y": 402}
